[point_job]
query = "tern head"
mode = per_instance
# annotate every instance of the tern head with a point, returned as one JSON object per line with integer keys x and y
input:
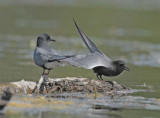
{"x": 43, "y": 39}
{"x": 120, "y": 66}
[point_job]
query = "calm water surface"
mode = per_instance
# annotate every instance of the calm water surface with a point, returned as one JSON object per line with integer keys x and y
{"x": 121, "y": 31}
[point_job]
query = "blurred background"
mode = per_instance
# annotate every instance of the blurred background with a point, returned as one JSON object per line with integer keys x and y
{"x": 122, "y": 29}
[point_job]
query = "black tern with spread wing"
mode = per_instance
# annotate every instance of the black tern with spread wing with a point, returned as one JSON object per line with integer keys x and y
{"x": 96, "y": 60}
{"x": 45, "y": 56}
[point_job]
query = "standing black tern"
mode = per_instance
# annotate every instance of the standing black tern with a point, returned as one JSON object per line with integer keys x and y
{"x": 45, "y": 56}
{"x": 96, "y": 60}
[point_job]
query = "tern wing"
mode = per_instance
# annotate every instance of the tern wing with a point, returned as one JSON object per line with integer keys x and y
{"x": 43, "y": 56}
{"x": 91, "y": 46}
{"x": 89, "y": 61}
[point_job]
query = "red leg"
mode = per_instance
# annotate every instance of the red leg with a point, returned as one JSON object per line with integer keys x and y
{"x": 48, "y": 72}
{"x": 43, "y": 71}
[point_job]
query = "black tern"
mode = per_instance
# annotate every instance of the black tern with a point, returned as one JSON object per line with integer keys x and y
{"x": 96, "y": 60}
{"x": 45, "y": 56}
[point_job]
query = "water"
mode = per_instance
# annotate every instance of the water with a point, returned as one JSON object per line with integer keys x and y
{"x": 127, "y": 30}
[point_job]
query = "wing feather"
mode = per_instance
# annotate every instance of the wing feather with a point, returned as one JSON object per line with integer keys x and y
{"x": 89, "y": 61}
{"x": 91, "y": 46}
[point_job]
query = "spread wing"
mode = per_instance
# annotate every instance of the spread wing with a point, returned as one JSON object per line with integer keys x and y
{"x": 89, "y": 61}
{"x": 91, "y": 46}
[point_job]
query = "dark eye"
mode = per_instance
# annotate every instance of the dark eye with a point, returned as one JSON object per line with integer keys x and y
{"x": 47, "y": 37}
{"x": 121, "y": 65}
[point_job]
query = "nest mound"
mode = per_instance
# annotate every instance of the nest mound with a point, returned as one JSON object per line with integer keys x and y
{"x": 69, "y": 84}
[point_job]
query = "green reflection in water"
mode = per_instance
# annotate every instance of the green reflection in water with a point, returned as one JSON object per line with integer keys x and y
{"x": 97, "y": 22}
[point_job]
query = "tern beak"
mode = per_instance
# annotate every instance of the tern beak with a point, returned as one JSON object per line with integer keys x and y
{"x": 126, "y": 68}
{"x": 52, "y": 40}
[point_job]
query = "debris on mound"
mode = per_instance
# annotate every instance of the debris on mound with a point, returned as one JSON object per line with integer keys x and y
{"x": 5, "y": 97}
{"x": 69, "y": 84}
